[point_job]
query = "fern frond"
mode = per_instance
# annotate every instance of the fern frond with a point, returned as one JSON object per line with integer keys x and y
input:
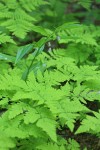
{"x": 5, "y": 38}
{"x": 15, "y": 17}
{"x": 16, "y": 110}
{"x": 47, "y": 100}
{"x": 73, "y": 144}
{"x": 44, "y": 123}
{"x": 80, "y": 34}
{"x": 19, "y": 23}
{"x": 30, "y": 5}
{"x": 6, "y": 142}
{"x": 31, "y": 116}
{"x": 90, "y": 124}
{"x": 85, "y": 3}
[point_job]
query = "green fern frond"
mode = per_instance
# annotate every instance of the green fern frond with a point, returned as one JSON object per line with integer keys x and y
{"x": 16, "y": 19}
{"x": 85, "y": 3}
{"x": 31, "y": 116}
{"x": 16, "y": 109}
{"x": 31, "y": 5}
{"x": 5, "y": 38}
{"x": 90, "y": 124}
{"x": 38, "y": 106}
{"x": 78, "y": 52}
{"x": 19, "y": 23}
{"x": 44, "y": 123}
{"x": 77, "y": 35}
{"x": 6, "y": 142}
{"x": 73, "y": 144}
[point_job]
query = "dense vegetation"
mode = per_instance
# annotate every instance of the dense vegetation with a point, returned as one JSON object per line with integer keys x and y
{"x": 49, "y": 75}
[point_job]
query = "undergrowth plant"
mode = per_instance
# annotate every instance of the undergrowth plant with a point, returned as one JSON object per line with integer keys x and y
{"x": 34, "y": 110}
{"x": 49, "y": 74}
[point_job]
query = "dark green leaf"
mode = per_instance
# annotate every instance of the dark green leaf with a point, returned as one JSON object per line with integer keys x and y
{"x": 7, "y": 57}
{"x": 39, "y": 46}
{"x": 23, "y": 51}
{"x": 35, "y": 67}
{"x": 38, "y": 66}
{"x": 24, "y": 75}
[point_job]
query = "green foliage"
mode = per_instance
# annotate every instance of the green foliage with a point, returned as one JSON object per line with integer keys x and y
{"x": 5, "y": 38}
{"x": 40, "y": 105}
{"x": 77, "y": 35}
{"x": 91, "y": 124}
{"x": 49, "y": 73}
{"x": 86, "y": 4}
{"x": 22, "y": 52}
{"x": 16, "y": 16}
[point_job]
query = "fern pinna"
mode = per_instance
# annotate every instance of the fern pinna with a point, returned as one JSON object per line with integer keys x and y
{"x": 34, "y": 110}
